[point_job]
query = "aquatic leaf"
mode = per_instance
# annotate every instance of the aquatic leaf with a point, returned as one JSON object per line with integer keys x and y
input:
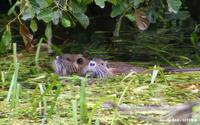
{"x": 82, "y": 18}
{"x": 44, "y": 3}
{"x": 174, "y": 5}
{"x": 100, "y": 3}
{"x": 46, "y": 15}
{"x": 136, "y": 3}
{"x": 35, "y": 6}
{"x": 6, "y": 38}
{"x": 29, "y": 13}
{"x": 33, "y": 26}
{"x": 116, "y": 10}
{"x": 65, "y": 22}
{"x": 77, "y": 7}
{"x": 12, "y": 9}
{"x": 48, "y": 31}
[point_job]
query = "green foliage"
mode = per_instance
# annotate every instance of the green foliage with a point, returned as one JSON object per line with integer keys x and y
{"x": 29, "y": 14}
{"x": 38, "y": 53}
{"x": 100, "y": 3}
{"x": 5, "y": 40}
{"x": 66, "y": 22}
{"x": 33, "y": 26}
{"x": 14, "y": 89}
{"x": 74, "y": 112}
{"x": 83, "y": 103}
{"x": 12, "y": 9}
{"x": 48, "y": 31}
{"x": 174, "y": 5}
{"x": 46, "y": 15}
{"x": 162, "y": 14}
{"x": 66, "y": 11}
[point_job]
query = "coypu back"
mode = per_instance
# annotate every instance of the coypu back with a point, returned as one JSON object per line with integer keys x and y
{"x": 118, "y": 68}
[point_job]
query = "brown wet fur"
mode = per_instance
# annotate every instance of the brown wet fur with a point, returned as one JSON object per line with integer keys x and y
{"x": 73, "y": 59}
{"x": 76, "y": 61}
{"x": 118, "y": 68}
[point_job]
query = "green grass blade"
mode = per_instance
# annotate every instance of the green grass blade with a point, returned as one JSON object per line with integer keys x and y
{"x": 43, "y": 98}
{"x": 97, "y": 122}
{"x": 3, "y": 79}
{"x": 57, "y": 93}
{"x": 38, "y": 53}
{"x": 154, "y": 74}
{"x": 98, "y": 104}
{"x": 33, "y": 99}
{"x": 74, "y": 112}
{"x": 122, "y": 96}
{"x": 83, "y": 102}
{"x": 13, "y": 96}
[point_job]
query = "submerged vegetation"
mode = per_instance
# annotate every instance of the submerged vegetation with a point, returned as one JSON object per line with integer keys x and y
{"x": 37, "y": 95}
{"x": 148, "y": 33}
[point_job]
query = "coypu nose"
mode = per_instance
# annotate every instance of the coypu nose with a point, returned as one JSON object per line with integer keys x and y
{"x": 92, "y": 63}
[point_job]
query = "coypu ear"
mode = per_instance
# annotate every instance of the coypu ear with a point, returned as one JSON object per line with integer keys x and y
{"x": 66, "y": 57}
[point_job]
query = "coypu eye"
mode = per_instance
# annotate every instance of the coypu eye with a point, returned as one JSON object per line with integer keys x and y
{"x": 80, "y": 61}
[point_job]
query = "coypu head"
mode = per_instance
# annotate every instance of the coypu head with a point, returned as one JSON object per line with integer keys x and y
{"x": 69, "y": 63}
{"x": 97, "y": 68}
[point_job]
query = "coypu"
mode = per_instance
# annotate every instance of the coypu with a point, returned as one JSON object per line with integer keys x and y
{"x": 102, "y": 69}
{"x": 98, "y": 67}
{"x": 67, "y": 64}
{"x": 182, "y": 114}
{"x": 76, "y": 63}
